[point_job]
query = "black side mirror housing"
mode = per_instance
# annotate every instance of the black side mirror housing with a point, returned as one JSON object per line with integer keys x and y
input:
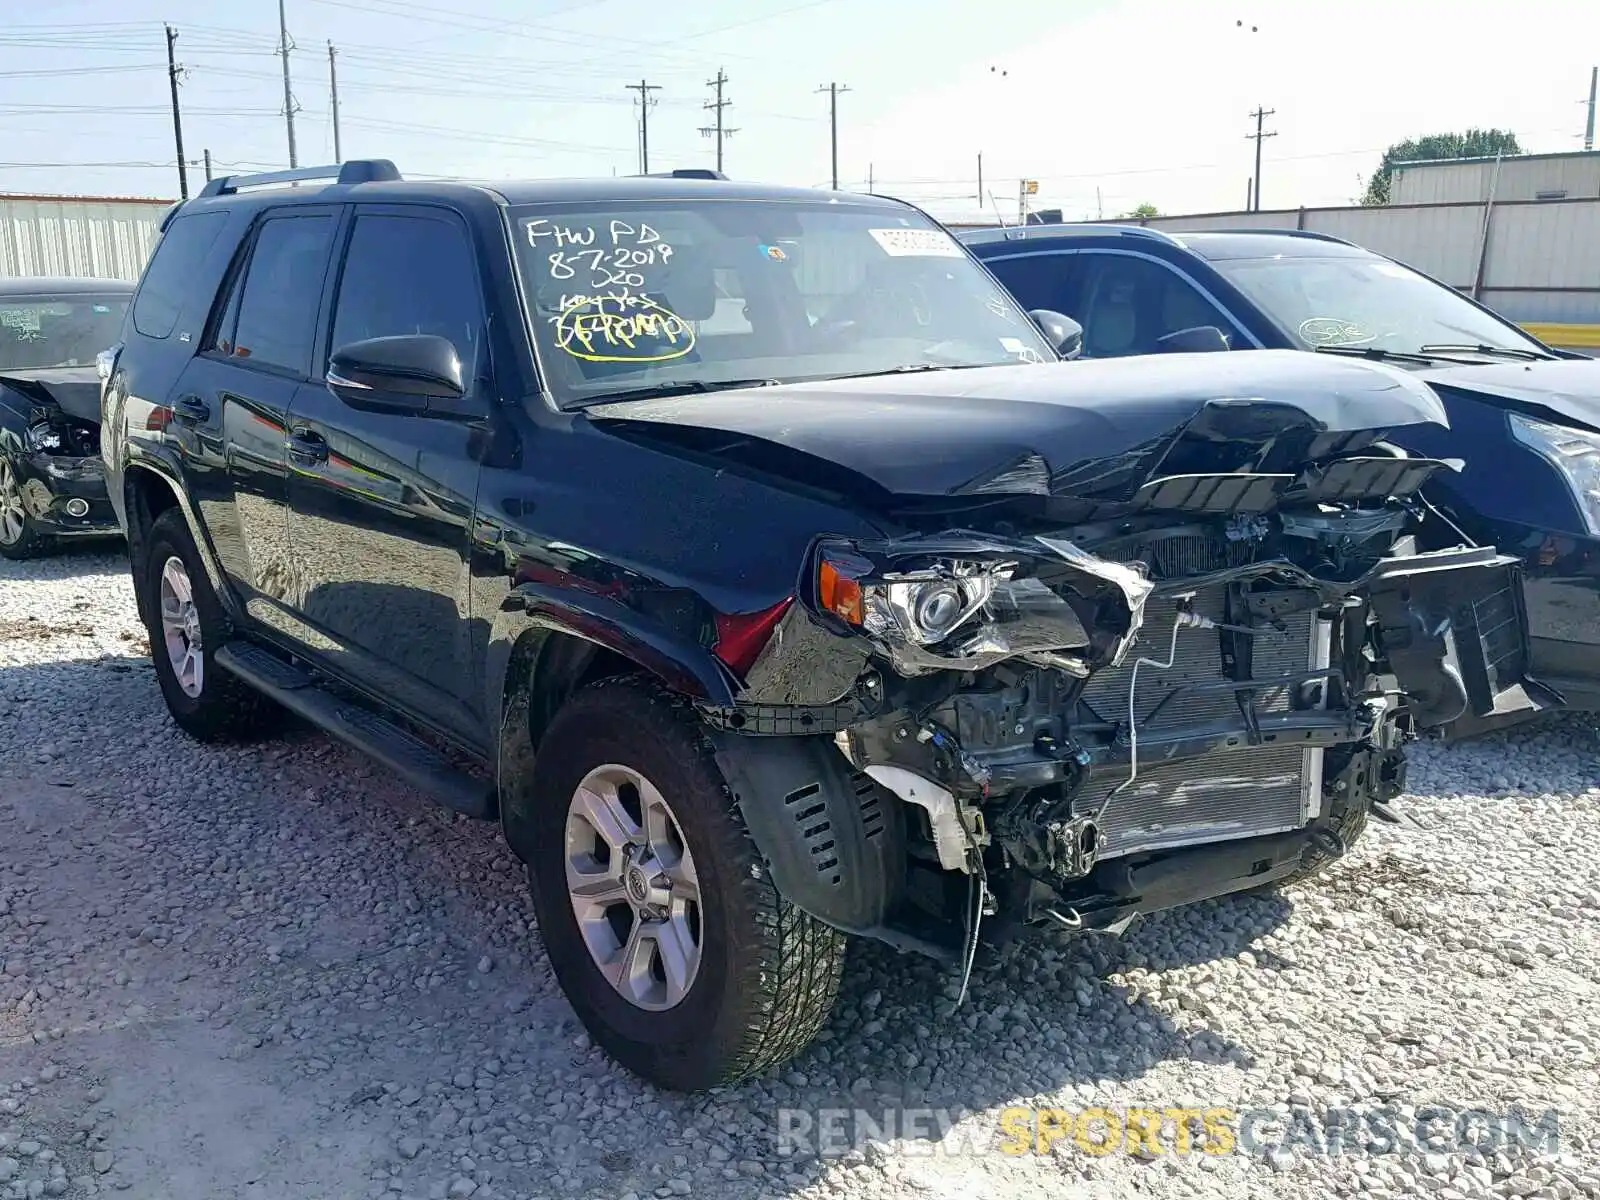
{"x": 1065, "y": 334}
{"x": 417, "y": 373}
{"x": 1199, "y": 339}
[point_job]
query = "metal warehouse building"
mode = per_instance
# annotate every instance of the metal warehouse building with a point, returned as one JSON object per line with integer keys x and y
{"x": 107, "y": 238}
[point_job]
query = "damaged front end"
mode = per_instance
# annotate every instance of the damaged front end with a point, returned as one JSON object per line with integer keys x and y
{"x": 1177, "y": 701}
{"x": 53, "y": 451}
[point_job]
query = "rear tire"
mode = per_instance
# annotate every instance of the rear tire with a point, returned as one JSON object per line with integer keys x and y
{"x": 186, "y": 626}
{"x": 747, "y": 980}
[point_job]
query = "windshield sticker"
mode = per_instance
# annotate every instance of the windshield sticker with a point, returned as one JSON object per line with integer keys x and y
{"x": 1393, "y": 270}
{"x": 621, "y": 327}
{"x": 1023, "y": 351}
{"x": 102, "y": 308}
{"x": 775, "y": 253}
{"x": 912, "y": 243}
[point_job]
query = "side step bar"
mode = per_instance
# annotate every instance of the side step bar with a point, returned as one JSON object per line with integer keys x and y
{"x": 402, "y": 752}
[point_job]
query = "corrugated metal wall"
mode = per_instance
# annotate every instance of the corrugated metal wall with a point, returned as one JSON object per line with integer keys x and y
{"x": 1523, "y": 178}
{"x": 107, "y": 239}
{"x": 1543, "y": 261}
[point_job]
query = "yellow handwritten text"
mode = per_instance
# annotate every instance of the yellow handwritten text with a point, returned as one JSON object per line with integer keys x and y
{"x": 621, "y": 328}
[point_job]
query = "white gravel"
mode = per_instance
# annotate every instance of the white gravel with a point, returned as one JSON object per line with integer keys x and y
{"x": 275, "y": 972}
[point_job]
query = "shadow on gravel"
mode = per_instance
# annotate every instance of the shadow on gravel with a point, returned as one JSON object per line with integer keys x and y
{"x": 68, "y": 558}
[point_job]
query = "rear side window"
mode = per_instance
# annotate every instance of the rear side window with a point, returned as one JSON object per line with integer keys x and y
{"x": 277, "y": 318}
{"x": 406, "y": 274}
{"x": 170, "y": 276}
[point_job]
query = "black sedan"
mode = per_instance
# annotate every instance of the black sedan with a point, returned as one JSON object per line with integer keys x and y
{"x": 51, "y": 485}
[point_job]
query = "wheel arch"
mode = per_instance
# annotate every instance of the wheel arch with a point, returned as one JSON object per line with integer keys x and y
{"x": 147, "y": 493}
{"x": 544, "y": 648}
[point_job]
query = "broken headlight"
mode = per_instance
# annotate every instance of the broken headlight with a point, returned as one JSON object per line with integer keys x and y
{"x": 45, "y": 438}
{"x": 1573, "y": 452}
{"x": 950, "y": 612}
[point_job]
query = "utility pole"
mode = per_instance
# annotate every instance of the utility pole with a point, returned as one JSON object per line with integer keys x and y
{"x": 870, "y": 180}
{"x": 177, "y": 117}
{"x": 208, "y": 165}
{"x": 288, "y": 95}
{"x": 1588, "y": 128}
{"x": 833, "y": 90}
{"x": 1260, "y": 114}
{"x": 719, "y": 131}
{"x": 333, "y": 88}
{"x": 980, "y": 179}
{"x": 644, "y": 89}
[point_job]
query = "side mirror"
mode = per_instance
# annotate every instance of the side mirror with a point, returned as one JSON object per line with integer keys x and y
{"x": 1201, "y": 339}
{"x": 1065, "y": 334}
{"x": 412, "y": 373}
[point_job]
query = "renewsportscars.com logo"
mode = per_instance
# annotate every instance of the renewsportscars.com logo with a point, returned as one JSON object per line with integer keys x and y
{"x": 1178, "y": 1130}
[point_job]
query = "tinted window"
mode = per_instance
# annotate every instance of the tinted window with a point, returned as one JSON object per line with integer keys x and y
{"x": 57, "y": 331}
{"x": 1040, "y": 281}
{"x": 409, "y": 275}
{"x": 282, "y": 288}
{"x": 1127, "y": 305}
{"x": 170, "y": 275}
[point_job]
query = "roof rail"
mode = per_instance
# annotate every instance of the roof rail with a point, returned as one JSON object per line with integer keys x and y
{"x": 1312, "y": 234}
{"x": 685, "y": 173}
{"x": 357, "y": 170}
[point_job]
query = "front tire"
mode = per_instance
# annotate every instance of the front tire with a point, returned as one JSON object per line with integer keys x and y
{"x": 19, "y": 539}
{"x": 186, "y": 625}
{"x": 662, "y": 926}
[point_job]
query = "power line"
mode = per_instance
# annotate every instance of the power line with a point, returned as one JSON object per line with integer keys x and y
{"x": 1260, "y": 114}
{"x": 833, "y": 90}
{"x": 644, "y": 88}
{"x": 719, "y": 130}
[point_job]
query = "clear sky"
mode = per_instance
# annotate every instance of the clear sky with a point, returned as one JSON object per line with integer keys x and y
{"x": 1108, "y": 103}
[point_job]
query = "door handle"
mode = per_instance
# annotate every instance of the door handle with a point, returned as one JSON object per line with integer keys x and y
{"x": 306, "y": 448}
{"x": 191, "y": 409}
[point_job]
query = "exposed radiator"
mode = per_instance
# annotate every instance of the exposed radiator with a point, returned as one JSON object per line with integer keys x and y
{"x": 1242, "y": 793}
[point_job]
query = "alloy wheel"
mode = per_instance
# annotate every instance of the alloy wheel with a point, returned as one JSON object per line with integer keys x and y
{"x": 13, "y": 517}
{"x": 180, "y": 628}
{"x": 632, "y": 883}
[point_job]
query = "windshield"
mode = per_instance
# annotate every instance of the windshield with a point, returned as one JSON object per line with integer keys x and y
{"x": 1368, "y": 303}
{"x": 640, "y": 297}
{"x": 57, "y": 331}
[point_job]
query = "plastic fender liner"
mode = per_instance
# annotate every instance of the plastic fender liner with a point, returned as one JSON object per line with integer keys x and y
{"x": 833, "y": 839}
{"x": 1455, "y": 632}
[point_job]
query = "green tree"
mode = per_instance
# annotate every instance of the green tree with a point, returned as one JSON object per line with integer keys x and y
{"x": 1144, "y": 211}
{"x": 1474, "y": 143}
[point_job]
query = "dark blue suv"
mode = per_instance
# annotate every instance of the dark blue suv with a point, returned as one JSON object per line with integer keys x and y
{"x": 1524, "y": 418}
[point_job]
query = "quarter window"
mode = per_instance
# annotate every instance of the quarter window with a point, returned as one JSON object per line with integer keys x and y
{"x": 169, "y": 278}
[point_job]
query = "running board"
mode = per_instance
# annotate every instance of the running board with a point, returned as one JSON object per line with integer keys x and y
{"x": 402, "y": 752}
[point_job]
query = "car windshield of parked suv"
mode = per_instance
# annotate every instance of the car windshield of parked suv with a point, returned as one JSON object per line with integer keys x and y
{"x": 37, "y": 332}
{"x": 1363, "y": 302}
{"x": 636, "y": 298}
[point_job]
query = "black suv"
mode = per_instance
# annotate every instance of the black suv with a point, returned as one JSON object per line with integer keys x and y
{"x": 752, "y": 558}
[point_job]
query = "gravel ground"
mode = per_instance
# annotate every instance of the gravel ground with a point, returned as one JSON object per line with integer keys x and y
{"x": 275, "y": 972}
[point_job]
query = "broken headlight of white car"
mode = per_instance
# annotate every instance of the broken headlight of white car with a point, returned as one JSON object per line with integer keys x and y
{"x": 956, "y": 603}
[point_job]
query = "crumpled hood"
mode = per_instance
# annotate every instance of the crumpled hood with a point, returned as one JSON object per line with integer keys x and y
{"x": 945, "y": 432}
{"x": 1568, "y": 390}
{"x": 75, "y": 390}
